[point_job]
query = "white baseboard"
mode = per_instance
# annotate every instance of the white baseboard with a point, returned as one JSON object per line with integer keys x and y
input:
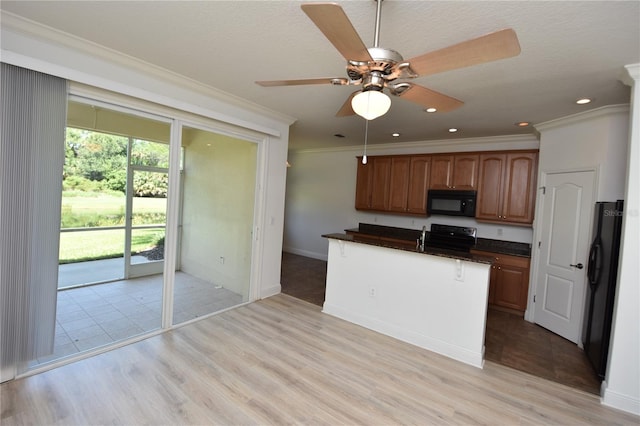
{"x": 464, "y": 355}
{"x": 306, "y": 253}
{"x": 619, "y": 401}
{"x": 270, "y": 291}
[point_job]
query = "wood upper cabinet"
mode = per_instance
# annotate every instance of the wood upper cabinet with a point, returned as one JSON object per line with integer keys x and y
{"x": 381, "y": 173}
{"x": 441, "y": 172}
{"x": 465, "y": 171}
{"x": 363, "y": 185}
{"x": 520, "y": 187}
{"x": 507, "y": 187}
{"x": 393, "y": 183}
{"x": 372, "y": 183}
{"x": 454, "y": 171}
{"x": 419, "y": 169}
{"x": 509, "y": 281}
{"x": 490, "y": 183}
{"x": 399, "y": 183}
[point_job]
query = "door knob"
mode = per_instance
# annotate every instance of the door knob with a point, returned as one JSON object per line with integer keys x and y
{"x": 579, "y": 265}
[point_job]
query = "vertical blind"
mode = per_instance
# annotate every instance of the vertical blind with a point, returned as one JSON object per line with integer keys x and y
{"x": 34, "y": 109}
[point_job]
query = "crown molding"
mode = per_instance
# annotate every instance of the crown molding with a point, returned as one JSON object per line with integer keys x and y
{"x": 631, "y": 74}
{"x": 17, "y": 24}
{"x": 583, "y": 116}
{"x": 488, "y": 143}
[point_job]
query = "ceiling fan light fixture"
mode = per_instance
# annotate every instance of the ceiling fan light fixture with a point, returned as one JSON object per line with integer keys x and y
{"x": 371, "y": 104}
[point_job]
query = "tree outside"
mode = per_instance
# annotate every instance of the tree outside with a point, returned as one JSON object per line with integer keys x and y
{"x": 94, "y": 195}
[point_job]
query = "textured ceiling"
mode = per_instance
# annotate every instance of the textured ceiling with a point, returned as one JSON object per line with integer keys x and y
{"x": 570, "y": 49}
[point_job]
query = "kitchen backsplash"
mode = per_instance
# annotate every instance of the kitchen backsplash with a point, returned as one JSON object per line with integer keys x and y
{"x": 521, "y": 234}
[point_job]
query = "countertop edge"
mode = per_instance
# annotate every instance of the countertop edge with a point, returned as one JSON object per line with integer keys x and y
{"x": 429, "y": 251}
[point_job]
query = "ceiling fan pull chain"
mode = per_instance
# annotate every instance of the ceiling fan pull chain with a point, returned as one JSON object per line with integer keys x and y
{"x": 366, "y": 136}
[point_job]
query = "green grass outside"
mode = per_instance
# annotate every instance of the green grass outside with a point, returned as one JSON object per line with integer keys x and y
{"x": 91, "y": 210}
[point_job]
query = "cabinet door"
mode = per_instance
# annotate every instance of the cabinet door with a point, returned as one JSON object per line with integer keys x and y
{"x": 363, "y": 185}
{"x": 465, "y": 172}
{"x": 493, "y": 275}
{"x": 520, "y": 188}
{"x": 399, "y": 184}
{"x": 511, "y": 287}
{"x": 380, "y": 183}
{"x": 418, "y": 184}
{"x": 490, "y": 186}
{"x": 441, "y": 172}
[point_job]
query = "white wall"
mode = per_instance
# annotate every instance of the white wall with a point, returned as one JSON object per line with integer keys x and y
{"x": 599, "y": 139}
{"x": 219, "y": 181}
{"x": 596, "y": 139}
{"x": 25, "y": 44}
{"x": 321, "y": 193}
{"x": 622, "y": 382}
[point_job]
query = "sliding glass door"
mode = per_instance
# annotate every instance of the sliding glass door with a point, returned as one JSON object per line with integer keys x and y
{"x": 214, "y": 260}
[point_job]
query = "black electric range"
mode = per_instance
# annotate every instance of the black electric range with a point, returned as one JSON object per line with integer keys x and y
{"x": 458, "y": 238}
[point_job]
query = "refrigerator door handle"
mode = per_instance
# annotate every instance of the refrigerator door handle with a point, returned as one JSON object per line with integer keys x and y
{"x": 595, "y": 264}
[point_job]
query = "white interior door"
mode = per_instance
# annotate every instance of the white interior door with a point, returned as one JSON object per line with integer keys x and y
{"x": 567, "y": 212}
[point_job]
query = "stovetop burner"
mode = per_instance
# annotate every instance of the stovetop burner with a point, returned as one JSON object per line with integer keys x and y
{"x": 450, "y": 237}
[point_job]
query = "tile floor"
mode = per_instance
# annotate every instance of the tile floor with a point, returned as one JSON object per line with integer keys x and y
{"x": 98, "y": 315}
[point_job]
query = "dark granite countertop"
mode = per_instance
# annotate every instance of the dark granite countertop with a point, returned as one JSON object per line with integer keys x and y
{"x": 485, "y": 244}
{"x": 451, "y": 254}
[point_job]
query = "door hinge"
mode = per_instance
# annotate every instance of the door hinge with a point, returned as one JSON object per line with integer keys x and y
{"x": 539, "y": 244}
{"x": 534, "y": 298}
{"x": 544, "y": 189}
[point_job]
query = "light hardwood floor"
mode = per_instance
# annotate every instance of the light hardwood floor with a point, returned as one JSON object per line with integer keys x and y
{"x": 281, "y": 361}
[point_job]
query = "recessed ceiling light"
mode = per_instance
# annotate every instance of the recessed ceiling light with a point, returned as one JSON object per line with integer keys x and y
{"x": 523, "y": 124}
{"x": 395, "y": 135}
{"x": 453, "y": 130}
{"x": 431, "y": 110}
{"x": 583, "y": 101}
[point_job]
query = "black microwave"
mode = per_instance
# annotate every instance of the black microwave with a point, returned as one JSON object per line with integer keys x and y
{"x": 451, "y": 203}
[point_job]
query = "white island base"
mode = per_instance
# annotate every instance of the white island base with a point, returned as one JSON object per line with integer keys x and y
{"x": 434, "y": 302}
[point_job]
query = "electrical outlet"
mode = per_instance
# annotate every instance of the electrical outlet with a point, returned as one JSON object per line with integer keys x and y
{"x": 499, "y": 232}
{"x": 222, "y": 260}
{"x": 372, "y": 292}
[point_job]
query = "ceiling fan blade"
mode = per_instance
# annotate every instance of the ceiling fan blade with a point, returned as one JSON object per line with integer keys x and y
{"x": 491, "y": 47}
{"x": 271, "y": 83}
{"x": 430, "y": 99}
{"x": 335, "y": 25}
{"x": 346, "y": 109}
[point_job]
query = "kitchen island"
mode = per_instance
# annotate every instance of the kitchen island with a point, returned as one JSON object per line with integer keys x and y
{"x": 434, "y": 299}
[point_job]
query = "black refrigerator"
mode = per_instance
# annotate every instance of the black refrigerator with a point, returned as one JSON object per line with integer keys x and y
{"x": 602, "y": 274}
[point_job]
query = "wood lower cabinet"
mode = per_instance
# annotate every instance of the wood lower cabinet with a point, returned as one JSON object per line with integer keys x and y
{"x": 457, "y": 171}
{"x": 507, "y": 187}
{"x": 509, "y": 281}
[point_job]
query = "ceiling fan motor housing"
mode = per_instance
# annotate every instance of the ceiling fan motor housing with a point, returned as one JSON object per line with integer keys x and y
{"x": 374, "y": 74}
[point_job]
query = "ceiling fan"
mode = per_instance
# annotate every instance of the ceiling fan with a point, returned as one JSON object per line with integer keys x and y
{"x": 378, "y": 68}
